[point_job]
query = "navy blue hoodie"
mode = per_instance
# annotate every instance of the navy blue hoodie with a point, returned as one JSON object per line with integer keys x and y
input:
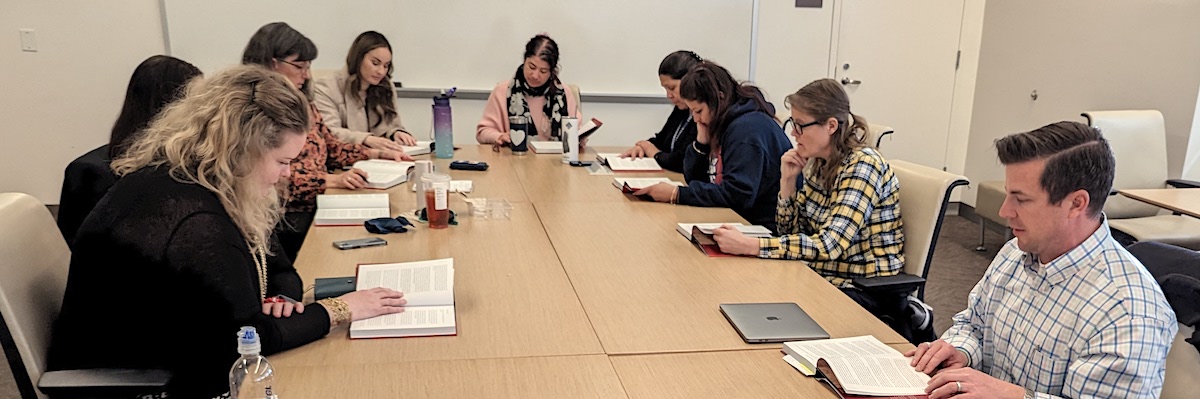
{"x": 750, "y": 152}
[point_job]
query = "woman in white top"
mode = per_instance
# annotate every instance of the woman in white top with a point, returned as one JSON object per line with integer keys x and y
{"x": 359, "y": 102}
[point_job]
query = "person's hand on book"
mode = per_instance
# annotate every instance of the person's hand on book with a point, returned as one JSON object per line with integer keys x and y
{"x": 661, "y": 192}
{"x": 937, "y": 355}
{"x": 970, "y": 383}
{"x": 635, "y": 152}
{"x": 404, "y": 138}
{"x": 352, "y": 179}
{"x": 365, "y": 304}
{"x": 382, "y": 143}
{"x": 390, "y": 154}
{"x": 733, "y": 242}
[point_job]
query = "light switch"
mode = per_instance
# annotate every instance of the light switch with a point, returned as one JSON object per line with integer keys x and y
{"x": 28, "y": 40}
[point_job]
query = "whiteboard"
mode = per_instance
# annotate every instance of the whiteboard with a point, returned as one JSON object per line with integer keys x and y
{"x": 606, "y": 46}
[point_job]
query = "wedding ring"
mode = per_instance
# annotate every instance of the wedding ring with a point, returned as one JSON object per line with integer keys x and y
{"x": 957, "y": 387}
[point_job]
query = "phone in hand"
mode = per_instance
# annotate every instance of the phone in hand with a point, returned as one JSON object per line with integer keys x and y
{"x": 359, "y": 243}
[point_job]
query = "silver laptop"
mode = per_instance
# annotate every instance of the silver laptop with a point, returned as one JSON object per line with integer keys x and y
{"x": 772, "y": 322}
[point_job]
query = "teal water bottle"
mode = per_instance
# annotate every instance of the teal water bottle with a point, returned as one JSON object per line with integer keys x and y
{"x": 443, "y": 125}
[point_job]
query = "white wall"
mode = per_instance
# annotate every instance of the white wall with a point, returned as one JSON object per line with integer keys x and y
{"x": 1082, "y": 55}
{"x": 1191, "y": 165}
{"x": 61, "y": 101}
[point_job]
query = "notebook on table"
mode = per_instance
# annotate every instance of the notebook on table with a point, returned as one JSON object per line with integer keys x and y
{"x": 772, "y": 322}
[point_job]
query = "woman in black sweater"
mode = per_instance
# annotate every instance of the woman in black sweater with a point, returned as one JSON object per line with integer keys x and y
{"x": 179, "y": 254}
{"x": 670, "y": 144}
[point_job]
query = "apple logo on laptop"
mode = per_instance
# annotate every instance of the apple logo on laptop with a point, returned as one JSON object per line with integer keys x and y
{"x": 772, "y": 318}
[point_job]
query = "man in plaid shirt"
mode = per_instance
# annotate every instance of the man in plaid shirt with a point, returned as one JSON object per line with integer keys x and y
{"x": 1064, "y": 310}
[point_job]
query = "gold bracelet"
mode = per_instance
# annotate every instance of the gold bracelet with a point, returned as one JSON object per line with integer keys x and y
{"x": 675, "y": 196}
{"x": 339, "y": 311}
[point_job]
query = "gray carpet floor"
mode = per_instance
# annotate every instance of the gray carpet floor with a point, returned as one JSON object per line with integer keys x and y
{"x": 956, "y": 268}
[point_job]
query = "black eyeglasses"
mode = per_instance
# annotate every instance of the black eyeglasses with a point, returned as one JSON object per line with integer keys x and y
{"x": 302, "y": 68}
{"x": 799, "y": 129}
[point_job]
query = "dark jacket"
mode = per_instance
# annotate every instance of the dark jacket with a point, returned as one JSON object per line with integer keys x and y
{"x": 161, "y": 278}
{"x": 673, "y": 149}
{"x": 86, "y": 180}
{"x": 749, "y": 156}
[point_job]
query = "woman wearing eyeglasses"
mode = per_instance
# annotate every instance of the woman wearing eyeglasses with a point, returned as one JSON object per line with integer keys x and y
{"x": 734, "y": 162}
{"x": 359, "y": 102}
{"x": 843, "y": 216}
{"x": 282, "y": 49}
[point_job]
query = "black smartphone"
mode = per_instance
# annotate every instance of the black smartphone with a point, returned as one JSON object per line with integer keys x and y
{"x": 469, "y": 165}
{"x": 359, "y": 243}
{"x": 581, "y": 163}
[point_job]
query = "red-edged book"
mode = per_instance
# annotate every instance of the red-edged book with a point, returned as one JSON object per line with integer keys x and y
{"x": 429, "y": 288}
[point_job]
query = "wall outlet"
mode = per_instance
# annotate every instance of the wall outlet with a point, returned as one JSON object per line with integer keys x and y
{"x": 28, "y": 40}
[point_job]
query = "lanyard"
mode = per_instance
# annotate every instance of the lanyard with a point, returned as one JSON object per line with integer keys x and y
{"x": 679, "y": 130}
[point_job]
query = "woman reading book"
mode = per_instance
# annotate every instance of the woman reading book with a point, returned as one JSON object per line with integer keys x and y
{"x": 839, "y": 206}
{"x": 534, "y": 94}
{"x": 670, "y": 144}
{"x": 734, "y": 162}
{"x": 181, "y": 253}
{"x": 359, "y": 103}
{"x": 282, "y": 49}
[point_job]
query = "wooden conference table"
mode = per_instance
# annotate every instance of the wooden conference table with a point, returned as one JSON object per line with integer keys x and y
{"x": 584, "y": 292}
{"x": 1182, "y": 200}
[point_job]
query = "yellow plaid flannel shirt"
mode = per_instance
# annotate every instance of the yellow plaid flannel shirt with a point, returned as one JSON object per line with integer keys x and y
{"x": 849, "y": 232}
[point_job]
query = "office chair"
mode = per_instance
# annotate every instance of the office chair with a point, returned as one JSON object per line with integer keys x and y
{"x": 1138, "y": 140}
{"x": 34, "y": 260}
{"x": 1177, "y": 272}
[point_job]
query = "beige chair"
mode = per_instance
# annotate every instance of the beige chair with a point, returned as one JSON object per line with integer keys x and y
{"x": 877, "y": 132}
{"x": 1138, "y": 140}
{"x": 924, "y": 197}
{"x": 577, "y": 95}
{"x": 988, "y": 199}
{"x": 33, "y": 262}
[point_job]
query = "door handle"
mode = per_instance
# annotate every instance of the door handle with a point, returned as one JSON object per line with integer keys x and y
{"x": 846, "y": 81}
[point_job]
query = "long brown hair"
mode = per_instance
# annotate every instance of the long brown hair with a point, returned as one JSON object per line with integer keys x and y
{"x": 712, "y": 85}
{"x": 824, "y": 99}
{"x": 380, "y": 98}
{"x": 216, "y": 135}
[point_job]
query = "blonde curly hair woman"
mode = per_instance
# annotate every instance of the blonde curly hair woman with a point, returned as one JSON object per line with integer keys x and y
{"x": 180, "y": 253}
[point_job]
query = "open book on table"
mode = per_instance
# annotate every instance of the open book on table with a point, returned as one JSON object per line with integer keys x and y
{"x": 350, "y": 209}
{"x": 615, "y": 162}
{"x": 429, "y": 288}
{"x": 422, "y": 148}
{"x": 384, "y": 174}
{"x": 701, "y": 235}
{"x": 857, "y": 366}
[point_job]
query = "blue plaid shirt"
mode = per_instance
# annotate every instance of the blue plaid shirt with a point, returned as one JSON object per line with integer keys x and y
{"x": 1092, "y": 323}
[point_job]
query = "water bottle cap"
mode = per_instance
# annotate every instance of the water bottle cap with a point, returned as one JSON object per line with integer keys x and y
{"x": 248, "y": 341}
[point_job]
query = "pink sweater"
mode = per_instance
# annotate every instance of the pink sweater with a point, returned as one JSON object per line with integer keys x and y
{"x": 495, "y": 114}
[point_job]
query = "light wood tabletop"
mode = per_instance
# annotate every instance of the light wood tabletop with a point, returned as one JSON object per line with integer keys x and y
{"x": 646, "y": 289}
{"x": 581, "y": 286}
{"x": 524, "y": 377}
{"x": 732, "y": 374}
{"x": 1182, "y": 200}
{"x": 512, "y": 297}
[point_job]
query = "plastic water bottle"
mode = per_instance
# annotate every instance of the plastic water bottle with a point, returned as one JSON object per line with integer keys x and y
{"x": 443, "y": 128}
{"x": 251, "y": 375}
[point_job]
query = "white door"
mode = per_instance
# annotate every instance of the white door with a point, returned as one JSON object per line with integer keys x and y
{"x": 896, "y": 59}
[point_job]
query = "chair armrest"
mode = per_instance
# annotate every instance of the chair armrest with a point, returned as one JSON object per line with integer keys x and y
{"x": 103, "y": 382}
{"x": 1181, "y": 183}
{"x": 902, "y": 282}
